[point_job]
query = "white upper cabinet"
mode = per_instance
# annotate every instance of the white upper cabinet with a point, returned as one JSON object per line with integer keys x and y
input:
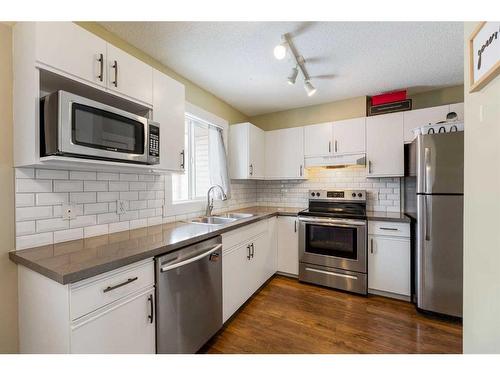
{"x": 318, "y": 140}
{"x": 420, "y": 117}
{"x": 168, "y": 110}
{"x": 246, "y": 151}
{"x": 349, "y": 136}
{"x": 285, "y": 154}
{"x": 67, "y": 47}
{"x": 129, "y": 76}
{"x": 384, "y": 145}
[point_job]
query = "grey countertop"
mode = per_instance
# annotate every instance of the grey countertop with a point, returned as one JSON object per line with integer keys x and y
{"x": 388, "y": 216}
{"x": 72, "y": 261}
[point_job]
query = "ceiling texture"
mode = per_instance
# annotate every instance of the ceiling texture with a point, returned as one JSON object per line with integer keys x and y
{"x": 235, "y": 61}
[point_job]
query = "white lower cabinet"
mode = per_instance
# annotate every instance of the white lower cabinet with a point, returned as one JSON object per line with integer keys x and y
{"x": 248, "y": 260}
{"x": 108, "y": 313}
{"x": 389, "y": 261}
{"x": 127, "y": 326}
{"x": 288, "y": 245}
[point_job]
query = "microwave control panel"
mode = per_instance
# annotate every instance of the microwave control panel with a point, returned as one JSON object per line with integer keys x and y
{"x": 154, "y": 144}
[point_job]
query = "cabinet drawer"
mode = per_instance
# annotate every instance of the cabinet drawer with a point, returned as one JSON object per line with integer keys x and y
{"x": 98, "y": 291}
{"x": 243, "y": 234}
{"x": 389, "y": 228}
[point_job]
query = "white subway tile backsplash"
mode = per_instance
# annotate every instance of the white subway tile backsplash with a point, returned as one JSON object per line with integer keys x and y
{"x": 95, "y": 230}
{"x": 79, "y": 175}
{"x": 129, "y": 215}
{"x": 110, "y": 217}
{"x": 50, "y": 199}
{"x": 25, "y": 227}
{"x": 34, "y": 240}
{"x": 146, "y": 177}
{"x": 139, "y": 223}
{"x": 83, "y": 221}
{"x": 156, "y": 203}
{"x": 119, "y": 227}
{"x": 155, "y": 220}
{"x": 25, "y": 173}
{"x": 147, "y": 194}
{"x": 51, "y": 225}
{"x": 129, "y": 195}
{"x": 138, "y": 205}
{"x": 137, "y": 186}
{"x": 118, "y": 186}
{"x": 51, "y": 174}
{"x": 68, "y": 235}
{"x": 95, "y": 208}
{"x": 33, "y": 213}
{"x": 128, "y": 177}
{"x": 25, "y": 185}
{"x": 107, "y": 196}
{"x": 108, "y": 176}
{"x": 68, "y": 186}
{"x": 82, "y": 197}
{"x": 25, "y": 200}
{"x": 95, "y": 185}
{"x": 150, "y": 212}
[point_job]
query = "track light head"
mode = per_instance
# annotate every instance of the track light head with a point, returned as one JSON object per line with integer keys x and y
{"x": 280, "y": 51}
{"x": 293, "y": 76}
{"x": 310, "y": 89}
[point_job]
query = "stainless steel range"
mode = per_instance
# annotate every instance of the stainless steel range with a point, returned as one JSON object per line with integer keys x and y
{"x": 333, "y": 240}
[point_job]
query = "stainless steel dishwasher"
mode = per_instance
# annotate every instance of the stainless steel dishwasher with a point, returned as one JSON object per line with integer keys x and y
{"x": 188, "y": 297}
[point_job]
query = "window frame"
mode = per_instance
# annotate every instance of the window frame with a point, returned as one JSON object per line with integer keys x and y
{"x": 196, "y": 204}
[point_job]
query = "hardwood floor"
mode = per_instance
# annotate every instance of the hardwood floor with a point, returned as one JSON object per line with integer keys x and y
{"x": 290, "y": 317}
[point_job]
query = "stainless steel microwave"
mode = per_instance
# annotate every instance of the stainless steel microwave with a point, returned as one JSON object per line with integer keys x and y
{"x": 71, "y": 125}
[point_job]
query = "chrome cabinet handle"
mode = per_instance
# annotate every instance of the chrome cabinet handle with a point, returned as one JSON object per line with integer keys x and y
{"x": 295, "y": 226}
{"x": 248, "y": 256}
{"x": 151, "y": 315}
{"x": 371, "y": 245}
{"x": 253, "y": 250}
{"x": 183, "y": 155}
{"x": 300, "y": 171}
{"x": 369, "y": 166}
{"x": 330, "y": 146}
{"x": 190, "y": 260}
{"x": 101, "y": 68}
{"x": 115, "y": 66}
{"x": 335, "y": 146}
{"x": 110, "y": 288}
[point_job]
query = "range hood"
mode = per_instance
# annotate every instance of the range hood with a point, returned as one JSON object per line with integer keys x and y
{"x": 335, "y": 161}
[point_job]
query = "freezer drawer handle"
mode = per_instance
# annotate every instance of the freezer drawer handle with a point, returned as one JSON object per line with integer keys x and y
{"x": 332, "y": 273}
{"x": 110, "y": 288}
{"x": 190, "y": 260}
{"x": 386, "y": 228}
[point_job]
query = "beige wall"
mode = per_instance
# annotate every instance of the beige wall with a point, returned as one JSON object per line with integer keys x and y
{"x": 194, "y": 94}
{"x": 349, "y": 108}
{"x": 481, "y": 216}
{"x": 8, "y": 270}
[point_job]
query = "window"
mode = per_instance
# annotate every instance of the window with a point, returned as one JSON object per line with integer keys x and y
{"x": 194, "y": 183}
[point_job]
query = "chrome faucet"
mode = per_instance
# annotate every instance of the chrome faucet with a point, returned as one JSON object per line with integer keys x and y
{"x": 210, "y": 200}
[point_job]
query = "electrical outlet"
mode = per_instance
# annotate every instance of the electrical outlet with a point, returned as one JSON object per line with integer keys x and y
{"x": 68, "y": 211}
{"x": 120, "y": 207}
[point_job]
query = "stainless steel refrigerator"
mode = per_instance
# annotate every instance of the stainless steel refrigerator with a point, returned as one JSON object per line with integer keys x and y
{"x": 434, "y": 197}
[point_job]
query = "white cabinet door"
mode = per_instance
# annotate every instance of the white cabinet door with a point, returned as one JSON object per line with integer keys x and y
{"x": 256, "y": 152}
{"x": 123, "y": 327}
{"x": 262, "y": 262}
{"x": 458, "y": 108}
{"x": 288, "y": 245}
{"x": 384, "y": 145}
{"x": 389, "y": 264}
{"x": 71, "y": 49}
{"x": 236, "y": 279}
{"x": 285, "y": 154}
{"x": 318, "y": 140}
{"x": 420, "y": 117}
{"x": 349, "y": 136}
{"x": 129, "y": 76}
{"x": 168, "y": 110}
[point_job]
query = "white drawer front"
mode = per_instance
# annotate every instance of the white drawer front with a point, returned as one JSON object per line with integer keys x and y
{"x": 389, "y": 228}
{"x": 91, "y": 294}
{"x": 243, "y": 234}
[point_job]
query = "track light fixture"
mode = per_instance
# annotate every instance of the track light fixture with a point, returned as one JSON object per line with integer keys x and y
{"x": 310, "y": 89}
{"x": 293, "y": 76}
{"x": 280, "y": 52}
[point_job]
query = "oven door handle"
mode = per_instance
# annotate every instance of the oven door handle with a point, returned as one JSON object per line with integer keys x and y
{"x": 333, "y": 222}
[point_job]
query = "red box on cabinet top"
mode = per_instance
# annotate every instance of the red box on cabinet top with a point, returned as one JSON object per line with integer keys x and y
{"x": 389, "y": 97}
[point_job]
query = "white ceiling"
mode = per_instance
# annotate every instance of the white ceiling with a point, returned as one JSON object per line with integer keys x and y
{"x": 234, "y": 60}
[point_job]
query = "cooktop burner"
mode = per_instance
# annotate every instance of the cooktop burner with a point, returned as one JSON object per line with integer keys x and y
{"x": 337, "y": 203}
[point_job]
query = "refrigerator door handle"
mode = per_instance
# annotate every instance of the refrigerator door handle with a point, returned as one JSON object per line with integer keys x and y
{"x": 427, "y": 234}
{"x": 427, "y": 173}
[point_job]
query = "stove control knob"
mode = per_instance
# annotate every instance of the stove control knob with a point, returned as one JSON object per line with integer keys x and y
{"x": 360, "y": 195}
{"x": 354, "y": 195}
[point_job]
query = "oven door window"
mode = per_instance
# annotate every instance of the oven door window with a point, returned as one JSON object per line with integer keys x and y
{"x": 335, "y": 241}
{"x": 96, "y": 128}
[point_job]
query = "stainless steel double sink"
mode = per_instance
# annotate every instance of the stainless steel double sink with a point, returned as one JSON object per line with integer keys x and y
{"x": 220, "y": 219}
